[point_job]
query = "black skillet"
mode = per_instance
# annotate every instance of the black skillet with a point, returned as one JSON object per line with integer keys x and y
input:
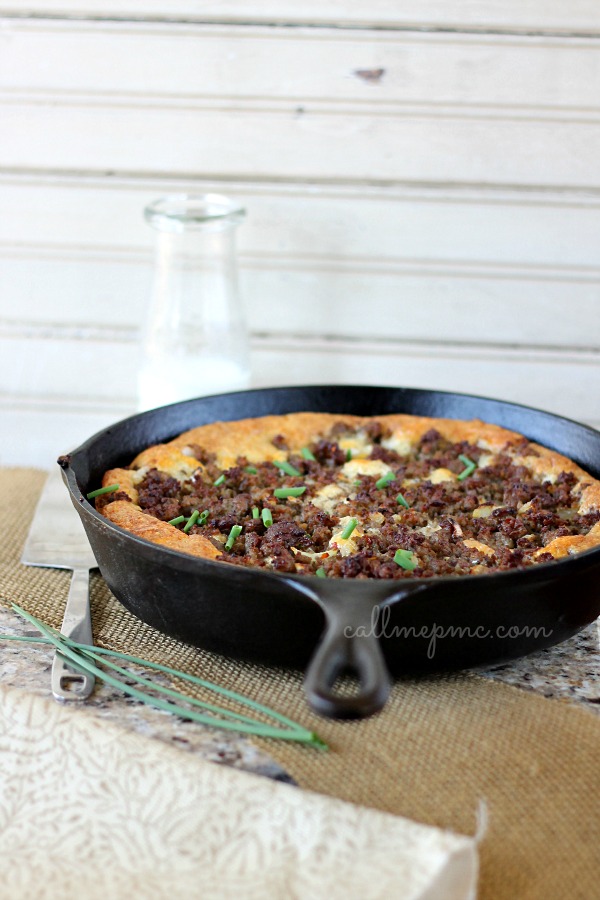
{"x": 365, "y": 628}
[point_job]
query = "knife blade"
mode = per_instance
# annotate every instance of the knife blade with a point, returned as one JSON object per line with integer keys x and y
{"x": 57, "y": 539}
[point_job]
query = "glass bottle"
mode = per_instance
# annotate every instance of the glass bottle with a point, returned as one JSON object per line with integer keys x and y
{"x": 194, "y": 341}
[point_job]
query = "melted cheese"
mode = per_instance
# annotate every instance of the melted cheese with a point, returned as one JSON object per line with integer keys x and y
{"x": 482, "y": 512}
{"x": 328, "y": 497}
{"x": 439, "y": 475}
{"x": 374, "y": 467}
{"x": 358, "y": 444}
{"x": 398, "y": 443}
{"x": 478, "y": 545}
{"x": 428, "y": 529}
{"x": 345, "y": 546}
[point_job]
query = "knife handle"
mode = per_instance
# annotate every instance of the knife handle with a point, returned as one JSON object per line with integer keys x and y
{"x": 67, "y": 682}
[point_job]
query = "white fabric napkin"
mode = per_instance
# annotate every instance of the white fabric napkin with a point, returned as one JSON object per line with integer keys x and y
{"x": 90, "y": 810}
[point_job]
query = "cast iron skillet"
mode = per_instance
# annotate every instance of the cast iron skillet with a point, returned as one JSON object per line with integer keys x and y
{"x": 363, "y": 628}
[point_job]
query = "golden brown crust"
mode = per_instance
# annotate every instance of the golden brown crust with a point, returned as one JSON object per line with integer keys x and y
{"x": 252, "y": 438}
{"x": 566, "y": 546}
{"x": 125, "y": 479}
{"x": 132, "y": 519}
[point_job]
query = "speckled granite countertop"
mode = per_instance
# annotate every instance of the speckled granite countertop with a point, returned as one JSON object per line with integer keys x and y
{"x": 569, "y": 672}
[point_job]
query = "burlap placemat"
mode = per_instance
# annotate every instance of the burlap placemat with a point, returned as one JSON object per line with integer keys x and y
{"x": 440, "y": 747}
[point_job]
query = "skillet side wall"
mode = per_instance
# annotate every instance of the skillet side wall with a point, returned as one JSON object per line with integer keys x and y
{"x": 247, "y": 614}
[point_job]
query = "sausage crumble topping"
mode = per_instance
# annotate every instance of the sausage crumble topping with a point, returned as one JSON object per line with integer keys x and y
{"x": 358, "y": 502}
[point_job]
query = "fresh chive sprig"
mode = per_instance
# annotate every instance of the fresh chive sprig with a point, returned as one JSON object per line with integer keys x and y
{"x": 109, "y": 489}
{"x": 235, "y": 532}
{"x": 288, "y": 468}
{"x": 469, "y": 465}
{"x": 176, "y": 521}
{"x": 283, "y": 492}
{"x": 192, "y": 520}
{"x": 86, "y": 658}
{"x": 385, "y": 480}
{"x": 405, "y": 559}
{"x": 349, "y": 529}
{"x": 307, "y": 454}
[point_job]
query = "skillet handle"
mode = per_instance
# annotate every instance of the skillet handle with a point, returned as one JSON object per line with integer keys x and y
{"x": 350, "y": 643}
{"x": 342, "y": 651}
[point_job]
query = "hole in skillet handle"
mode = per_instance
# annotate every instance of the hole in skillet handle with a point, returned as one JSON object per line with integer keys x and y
{"x": 349, "y": 645}
{"x": 339, "y": 654}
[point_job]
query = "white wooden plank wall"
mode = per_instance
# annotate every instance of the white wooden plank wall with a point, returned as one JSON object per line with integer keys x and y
{"x": 422, "y": 184}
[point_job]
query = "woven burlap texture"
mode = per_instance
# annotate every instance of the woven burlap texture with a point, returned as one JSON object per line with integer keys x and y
{"x": 441, "y": 746}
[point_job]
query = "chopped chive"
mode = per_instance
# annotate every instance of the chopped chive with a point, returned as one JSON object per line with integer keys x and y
{"x": 357, "y": 482}
{"x": 219, "y": 480}
{"x": 348, "y": 455}
{"x": 109, "y": 489}
{"x": 191, "y": 521}
{"x": 267, "y": 517}
{"x": 385, "y": 480}
{"x": 176, "y": 521}
{"x": 250, "y": 470}
{"x": 235, "y": 531}
{"x": 470, "y": 467}
{"x": 255, "y": 512}
{"x": 307, "y": 454}
{"x": 287, "y": 467}
{"x": 203, "y": 517}
{"x": 406, "y": 559}
{"x": 282, "y": 493}
{"x": 349, "y": 529}
{"x": 321, "y": 573}
{"x": 402, "y": 501}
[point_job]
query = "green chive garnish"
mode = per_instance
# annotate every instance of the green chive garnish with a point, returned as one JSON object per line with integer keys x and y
{"x": 470, "y": 467}
{"x": 203, "y": 517}
{"x": 349, "y": 529}
{"x": 401, "y": 500}
{"x": 307, "y": 454}
{"x": 405, "y": 559}
{"x": 321, "y": 573}
{"x": 255, "y": 512}
{"x": 176, "y": 521}
{"x": 267, "y": 517}
{"x": 282, "y": 493}
{"x": 105, "y": 490}
{"x": 348, "y": 455}
{"x": 219, "y": 480}
{"x": 385, "y": 480}
{"x": 235, "y": 531}
{"x": 192, "y": 520}
{"x": 287, "y": 467}
{"x": 250, "y": 470}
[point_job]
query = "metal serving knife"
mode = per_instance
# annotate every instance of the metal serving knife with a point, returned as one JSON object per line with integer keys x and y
{"x": 57, "y": 540}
